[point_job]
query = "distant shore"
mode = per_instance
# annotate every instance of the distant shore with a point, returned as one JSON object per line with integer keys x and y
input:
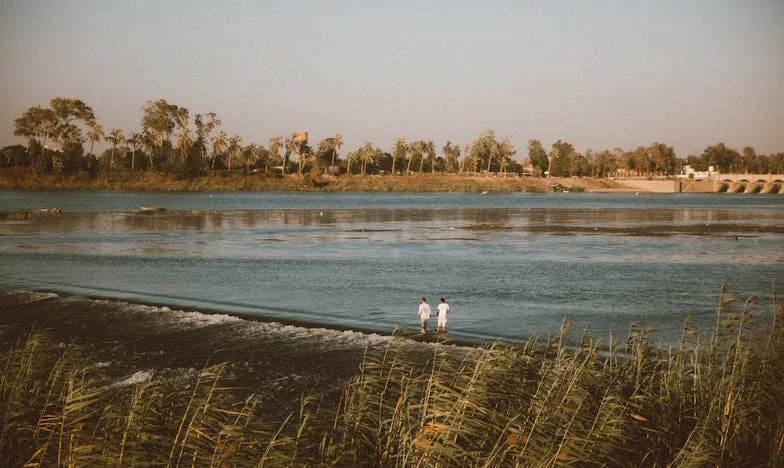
{"x": 27, "y": 179}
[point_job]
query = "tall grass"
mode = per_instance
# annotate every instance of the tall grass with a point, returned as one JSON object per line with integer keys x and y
{"x": 712, "y": 400}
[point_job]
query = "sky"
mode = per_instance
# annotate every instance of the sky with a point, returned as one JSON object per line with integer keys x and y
{"x": 598, "y": 74}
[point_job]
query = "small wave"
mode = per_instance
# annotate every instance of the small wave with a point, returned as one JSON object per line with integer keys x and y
{"x": 251, "y": 328}
{"x": 26, "y": 297}
{"x": 183, "y": 317}
{"x": 334, "y": 337}
{"x": 245, "y": 327}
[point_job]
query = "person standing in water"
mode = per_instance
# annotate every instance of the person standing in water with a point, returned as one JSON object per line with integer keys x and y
{"x": 424, "y": 314}
{"x": 443, "y": 312}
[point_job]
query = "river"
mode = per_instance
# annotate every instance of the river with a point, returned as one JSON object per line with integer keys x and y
{"x": 510, "y": 266}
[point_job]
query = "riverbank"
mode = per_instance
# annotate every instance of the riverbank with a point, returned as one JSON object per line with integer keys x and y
{"x": 27, "y": 179}
{"x": 140, "y": 385}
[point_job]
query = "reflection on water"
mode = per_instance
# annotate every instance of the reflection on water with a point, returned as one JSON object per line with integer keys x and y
{"x": 622, "y": 220}
{"x": 508, "y": 272}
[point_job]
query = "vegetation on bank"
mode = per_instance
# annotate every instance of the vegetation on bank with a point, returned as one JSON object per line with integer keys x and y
{"x": 171, "y": 142}
{"x": 714, "y": 400}
{"x": 28, "y": 179}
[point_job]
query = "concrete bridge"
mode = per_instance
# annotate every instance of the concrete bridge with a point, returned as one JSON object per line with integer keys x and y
{"x": 715, "y": 183}
{"x": 749, "y": 183}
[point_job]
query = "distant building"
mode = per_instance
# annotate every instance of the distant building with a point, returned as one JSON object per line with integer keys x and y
{"x": 688, "y": 172}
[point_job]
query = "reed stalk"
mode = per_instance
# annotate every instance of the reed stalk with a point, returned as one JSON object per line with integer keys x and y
{"x": 711, "y": 400}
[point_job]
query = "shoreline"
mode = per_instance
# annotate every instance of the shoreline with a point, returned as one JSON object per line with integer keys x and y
{"x": 26, "y": 179}
{"x": 407, "y": 331}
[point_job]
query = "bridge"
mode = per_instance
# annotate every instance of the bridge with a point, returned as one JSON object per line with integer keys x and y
{"x": 713, "y": 183}
{"x": 748, "y": 183}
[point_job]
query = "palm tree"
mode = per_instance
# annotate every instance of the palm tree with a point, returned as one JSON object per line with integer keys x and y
{"x": 252, "y": 152}
{"x": 219, "y": 144}
{"x": 507, "y": 151}
{"x": 415, "y": 148}
{"x": 235, "y": 145}
{"x": 348, "y": 162}
{"x": 185, "y": 142}
{"x": 451, "y": 153}
{"x": 135, "y": 141}
{"x": 366, "y": 154}
{"x": 466, "y": 148}
{"x": 423, "y": 149}
{"x": 149, "y": 139}
{"x": 115, "y": 136}
{"x": 431, "y": 154}
{"x": 95, "y": 134}
{"x": 293, "y": 146}
{"x": 275, "y": 144}
{"x": 335, "y": 143}
{"x": 303, "y": 156}
{"x": 399, "y": 151}
{"x": 491, "y": 154}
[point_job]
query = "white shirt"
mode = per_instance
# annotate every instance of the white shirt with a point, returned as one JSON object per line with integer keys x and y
{"x": 443, "y": 309}
{"x": 424, "y": 310}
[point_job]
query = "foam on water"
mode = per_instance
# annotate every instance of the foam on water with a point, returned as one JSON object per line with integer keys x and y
{"x": 244, "y": 327}
{"x": 137, "y": 377}
{"x": 26, "y": 297}
{"x": 181, "y": 317}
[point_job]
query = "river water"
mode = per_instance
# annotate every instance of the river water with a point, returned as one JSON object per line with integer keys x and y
{"x": 510, "y": 266}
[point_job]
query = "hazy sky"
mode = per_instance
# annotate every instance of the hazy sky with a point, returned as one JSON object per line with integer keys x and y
{"x": 598, "y": 74}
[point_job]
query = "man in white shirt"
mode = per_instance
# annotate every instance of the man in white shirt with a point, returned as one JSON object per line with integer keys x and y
{"x": 443, "y": 312}
{"x": 424, "y": 314}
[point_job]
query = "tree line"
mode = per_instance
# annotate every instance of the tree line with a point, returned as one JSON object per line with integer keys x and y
{"x": 170, "y": 141}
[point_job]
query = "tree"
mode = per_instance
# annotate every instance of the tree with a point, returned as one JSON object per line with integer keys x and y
{"x": 291, "y": 147}
{"x": 95, "y": 134}
{"x": 603, "y": 163}
{"x": 204, "y": 132}
{"x": 506, "y": 150}
{"x": 367, "y": 154}
{"x": 417, "y": 148}
{"x": 149, "y": 141}
{"x": 235, "y": 145}
{"x": 430, "y": 150}
{"x": 115, "y": 136}
{"x": 538, "y": 156}
{"x": 161, "y": 118}
{"x": 335, "y": 143}
{"x": 466, "y": 157}
{"x": 723, "y": 158}
{"x": 485, "y": 149}
{"x": 275, "y": 145}
{"x": 399, "y": 151}
{"x": 185, "y": 143}
{"x": 561, "y": 153}
{"x": 749, "y": 160}
{"x": 662, "y": 158}
{"x": 349, "y": 157}
{"x": 219, "y": 144}
{"x": 304, "y": 155}
{"x": 14, "y": 156}
{"x": 36, "y": 123}
{"x": 252, "y": 153}
{"x": 327, "y": 152}
{"x": 68, "y": 112}
{"x": 135, "y": 142}
{"x": 451, "y": 154}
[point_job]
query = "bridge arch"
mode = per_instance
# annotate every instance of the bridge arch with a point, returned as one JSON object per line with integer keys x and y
{"x": 755, "y": 187}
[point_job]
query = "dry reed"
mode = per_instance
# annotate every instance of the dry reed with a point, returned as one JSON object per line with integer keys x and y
{"x": 713, "y": 400}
